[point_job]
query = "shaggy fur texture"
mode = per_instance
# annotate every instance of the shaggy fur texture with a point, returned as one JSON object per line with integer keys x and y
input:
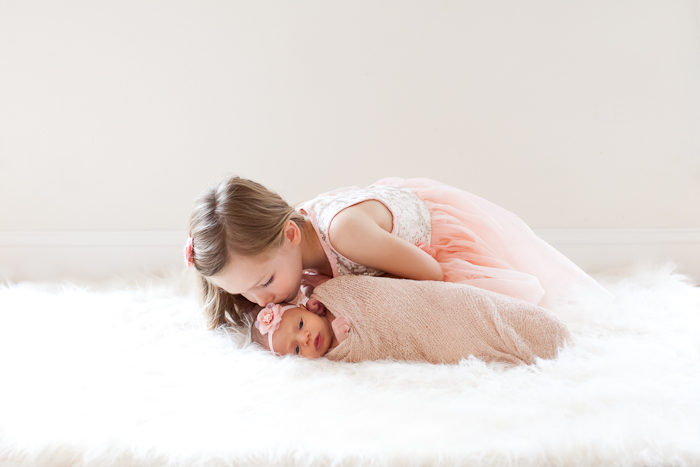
{"x": 125, "y": 375}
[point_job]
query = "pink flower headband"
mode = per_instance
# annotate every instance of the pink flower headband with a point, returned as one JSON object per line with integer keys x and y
{"x": 189, "y": 253}
{"x": 269, "y": 318}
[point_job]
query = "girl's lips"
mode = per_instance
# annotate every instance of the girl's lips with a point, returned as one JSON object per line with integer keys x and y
{"x": 318, "y": 341}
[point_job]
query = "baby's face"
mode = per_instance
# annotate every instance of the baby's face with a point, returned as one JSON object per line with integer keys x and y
{"x": 302, "y": 333}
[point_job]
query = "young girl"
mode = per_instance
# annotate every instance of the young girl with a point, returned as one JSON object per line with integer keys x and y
{"x": 250, "y": 247}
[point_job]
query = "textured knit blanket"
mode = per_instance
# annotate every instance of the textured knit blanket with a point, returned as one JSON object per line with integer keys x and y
{"x": 437, "y": 322}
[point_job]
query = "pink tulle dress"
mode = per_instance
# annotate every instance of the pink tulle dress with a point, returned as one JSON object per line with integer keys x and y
{"x": 475, "y": 241}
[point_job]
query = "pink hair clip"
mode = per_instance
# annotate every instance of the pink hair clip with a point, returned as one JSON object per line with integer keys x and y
{"x": 268, "y": 320}
{"x": 189, "y": 253}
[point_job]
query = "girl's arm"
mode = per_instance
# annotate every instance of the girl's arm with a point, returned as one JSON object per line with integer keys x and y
{"x": 362, "y": 233}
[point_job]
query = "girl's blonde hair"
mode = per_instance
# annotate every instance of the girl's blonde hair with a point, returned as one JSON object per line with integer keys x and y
{"x": 234, "y": 217}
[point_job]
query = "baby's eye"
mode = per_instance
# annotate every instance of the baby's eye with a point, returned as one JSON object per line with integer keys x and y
{"x": 268, "y": 282}
{"x": 301, "y": 324}
{"x": 296, "y": 351}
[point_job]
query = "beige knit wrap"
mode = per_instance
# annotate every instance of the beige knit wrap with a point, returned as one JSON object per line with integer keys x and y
{"x": 437, "y": 322}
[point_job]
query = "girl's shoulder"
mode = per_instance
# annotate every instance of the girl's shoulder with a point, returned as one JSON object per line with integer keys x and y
{"x": 410, "y": 219}
{"x": 406, "y": 208}
{"x": 395, "y": 198}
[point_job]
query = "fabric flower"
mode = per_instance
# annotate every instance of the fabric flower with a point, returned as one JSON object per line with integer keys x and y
{"x": 269, "y": 318}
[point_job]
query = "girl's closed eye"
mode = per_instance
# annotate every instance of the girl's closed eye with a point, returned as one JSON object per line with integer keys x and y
{"x": 268, "y": 282}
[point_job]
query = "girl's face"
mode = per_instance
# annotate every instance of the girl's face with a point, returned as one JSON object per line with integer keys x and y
{"x": 274, "y": 276}
{"x": 302, "y": 333}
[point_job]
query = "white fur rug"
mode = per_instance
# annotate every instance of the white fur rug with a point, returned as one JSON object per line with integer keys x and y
{"x": 124, "y": 374}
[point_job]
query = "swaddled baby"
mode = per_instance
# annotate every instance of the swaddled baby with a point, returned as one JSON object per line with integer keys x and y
{"x": 375, "y": 318}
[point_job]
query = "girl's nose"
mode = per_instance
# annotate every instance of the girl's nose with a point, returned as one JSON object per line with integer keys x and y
{"x": 263, "y": 299}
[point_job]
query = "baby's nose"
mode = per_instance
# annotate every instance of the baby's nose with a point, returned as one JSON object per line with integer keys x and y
{"x": 305, "y": 338}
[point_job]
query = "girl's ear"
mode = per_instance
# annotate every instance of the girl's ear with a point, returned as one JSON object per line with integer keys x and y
{"x": 292, "y": 233}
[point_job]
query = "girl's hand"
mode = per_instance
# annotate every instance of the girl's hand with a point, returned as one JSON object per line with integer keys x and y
{"x": 311, "y": 279}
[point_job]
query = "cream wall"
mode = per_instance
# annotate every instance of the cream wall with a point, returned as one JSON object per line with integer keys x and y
{"x": 575, "y": 115}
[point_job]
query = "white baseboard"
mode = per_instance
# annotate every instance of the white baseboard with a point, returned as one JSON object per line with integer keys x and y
{"x": 41, "y": 256}
{"x": 596, "y": 250}
{"x": 85, "y": 255}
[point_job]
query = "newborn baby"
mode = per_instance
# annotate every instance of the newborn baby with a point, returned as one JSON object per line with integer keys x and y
{"x": 375, "y": 318}
{"x": 293, "y": 330}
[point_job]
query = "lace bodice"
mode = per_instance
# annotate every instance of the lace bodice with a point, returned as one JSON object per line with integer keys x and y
{"x": 411, "y": 219}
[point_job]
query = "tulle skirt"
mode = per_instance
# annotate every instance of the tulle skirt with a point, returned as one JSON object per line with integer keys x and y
{"x": 486, "y": 246}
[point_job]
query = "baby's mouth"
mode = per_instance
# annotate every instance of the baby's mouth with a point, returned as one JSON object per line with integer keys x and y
{"x": 318, "y": 342}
